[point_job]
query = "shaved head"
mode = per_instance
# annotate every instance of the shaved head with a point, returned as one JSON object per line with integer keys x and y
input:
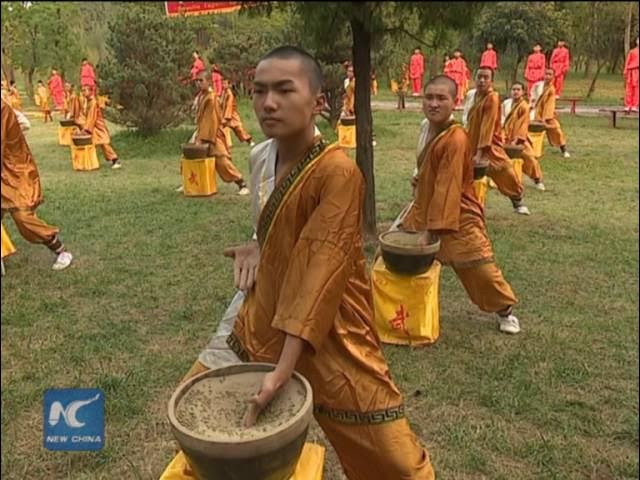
{"x": 444, "y": 80}
{"x": 310, "y": 66}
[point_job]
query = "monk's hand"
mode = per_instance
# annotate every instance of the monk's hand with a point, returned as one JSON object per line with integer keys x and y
{"x": 245, "y": 264}
{"x": 477, "y": 158}
{"x": 271, "y": 383}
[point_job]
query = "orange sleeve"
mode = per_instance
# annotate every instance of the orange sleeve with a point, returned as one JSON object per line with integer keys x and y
{"x": 322, "y": 259}
{"x": 549, "y": 108}
{"x": 208, "y": 121}
{"x": 92, "y": 116}
{"x": 521, "y": 124}
{"x": 443, "y": 211}
{"x": 228, "y": 105}
{"x": 490, "y": 113}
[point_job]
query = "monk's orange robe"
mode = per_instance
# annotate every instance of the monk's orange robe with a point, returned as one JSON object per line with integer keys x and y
{"x": 21, "y": 192}
{"x": 209, "y": 124}
{"x": 94, "y": 123}
{"x": 42, "y": 100}
{"x": 483, "y": 126}
{"x": 546, "y": 112}
{"x": 231, "y": 116}
{"x": 516, "y": 131}
{"x": 312, "y": 283}
{"x": 73, "y": 106}
{"x": 349, "y": 104}
{"x": 446, "y": 204}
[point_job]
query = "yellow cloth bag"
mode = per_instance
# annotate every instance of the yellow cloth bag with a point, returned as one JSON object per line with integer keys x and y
{"x": 7, "y": 245}
{"x": 310, "y": 465}
{"x": 199, "y": 177}
{"x": 517, "y": 166}
{"x": 406, "y": 308}
{"x": 346, "y": 135}
{"x": 481, "y": 186}
{"x": 537, "y": 139}
{"x": 84, "y": 157}
{"x": 64, "y": 135}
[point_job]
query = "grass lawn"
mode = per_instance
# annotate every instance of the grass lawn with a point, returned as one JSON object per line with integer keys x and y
{"x": 149, "y": 284}
{"x": 609, "y": 89}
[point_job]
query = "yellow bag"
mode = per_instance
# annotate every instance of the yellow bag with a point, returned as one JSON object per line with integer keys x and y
{"x": 64, "y": 135}
{"x": 84, "y": 157}
{"x": 346, "y": 135}
{"x": 517, "y": 166}
{"x": 537, "y": 139}
{"x": 199, "y": 177}
{"x": 309, "y": 467}
{"x": 406, "y": 307}
{"x": 481, "y": 186}
{"x": 7, "y": 245}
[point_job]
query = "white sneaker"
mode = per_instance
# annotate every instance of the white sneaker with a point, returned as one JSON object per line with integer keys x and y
{"x": 63, "y": 260}
{"x": 523, "y": 210}
{"x": 180, "y": 188}
{"x": 374, "y": 143}
{"x": 244, "y": 191}
{"x": 540, "y": 186}
{"x": 509, "y": 324}
{"x": 116, "y": 166}
{"x": 252, "y": 143}
{"x": 566, "y": 155}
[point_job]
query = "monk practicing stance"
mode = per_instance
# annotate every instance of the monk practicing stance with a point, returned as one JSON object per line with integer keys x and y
{"x": 515, "y": 127}
{"x": 42, "y": 101}
{"x": 21, "y": 190}
{"x": 231, "y": 116}
{"x": 209, "y": 131}
{"x": 308, "y": 305}
{"x": 482, "y": 121}
{"x": 544, "y": 110}
{"x": 446, "y": 206}
{"x": 93, "y": 123}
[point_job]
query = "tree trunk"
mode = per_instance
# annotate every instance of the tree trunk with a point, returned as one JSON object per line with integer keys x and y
{"x": 592, "y": 87}
{"x": 433, "y": 65}
{"x": 514, "y": 73}
{"x": 30, "y": 73}
{"x": 627, "y": 28}
{"x": 587, "y": 68}
{"x": 614, "y": 64}
{"x": 364, "y": 149}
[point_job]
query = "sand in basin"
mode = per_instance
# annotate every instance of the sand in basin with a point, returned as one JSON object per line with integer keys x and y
{"x": 215, "y": 407}
{"x": 404, "y": 239}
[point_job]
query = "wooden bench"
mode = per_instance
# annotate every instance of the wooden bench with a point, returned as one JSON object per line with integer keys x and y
{"x": 613, "y": 114}
{"x": 573, "y": 101}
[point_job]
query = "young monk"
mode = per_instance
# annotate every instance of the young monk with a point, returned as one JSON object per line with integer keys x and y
{"x": 42, "y": 100}
{"x": 72, "y": 102}
{"x": 446, "y": 206}
{"x": 93, "y": 123}
{"x": 209, "y": 130}
{"x": 21, "y": 190}
{"x": 515, "y": 128}
{"x": 482, "y": 117}
{"x": 308, "y": 305}
{"x": 349, "y": 99}
{"x": 231, "y": 116}
{"x": 546, "y": 112}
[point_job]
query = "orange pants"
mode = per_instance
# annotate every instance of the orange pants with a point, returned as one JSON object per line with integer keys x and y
{"x": 554, "y": 133}
{"x": 107, "y": 150}
{"x": 34, "y": 230}
{"x": 486, "y": 287}
{"x": 239, "y": 130}
{"x": 530, "y": 164}
{"x": 386, "y": 451}
{"x": 502, "y": 173}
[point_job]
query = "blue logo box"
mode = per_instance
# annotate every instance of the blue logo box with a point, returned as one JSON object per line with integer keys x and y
{"x": 74, "y": 419}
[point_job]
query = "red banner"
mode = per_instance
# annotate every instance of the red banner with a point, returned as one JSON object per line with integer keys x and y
{"x": 175, "y": 9}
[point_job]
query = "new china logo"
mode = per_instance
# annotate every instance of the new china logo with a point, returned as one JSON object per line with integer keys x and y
{"x": 74, "y": 419}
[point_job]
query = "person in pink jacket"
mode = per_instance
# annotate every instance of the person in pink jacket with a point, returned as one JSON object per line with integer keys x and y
{"x": 560, "y": 62}
{"x": 416, "y": 71}
{"x": 534, "y": 71}
{"x": 489, "y": 57}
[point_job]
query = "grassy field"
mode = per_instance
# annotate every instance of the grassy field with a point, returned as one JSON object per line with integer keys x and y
{"x": 609, "y": 89}
{"x": 149, "y": 284}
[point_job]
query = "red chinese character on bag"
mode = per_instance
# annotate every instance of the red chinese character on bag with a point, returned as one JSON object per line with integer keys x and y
{"x": 398, "y": 322}
{"x": 193, "y": 178}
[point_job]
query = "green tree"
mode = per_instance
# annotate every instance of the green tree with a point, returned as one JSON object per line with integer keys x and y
{"x": 513, "y": 27}
{"x": 146, "y": 60}
{"x": 368, "y": 23}
{"x": 40, "y": 36}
